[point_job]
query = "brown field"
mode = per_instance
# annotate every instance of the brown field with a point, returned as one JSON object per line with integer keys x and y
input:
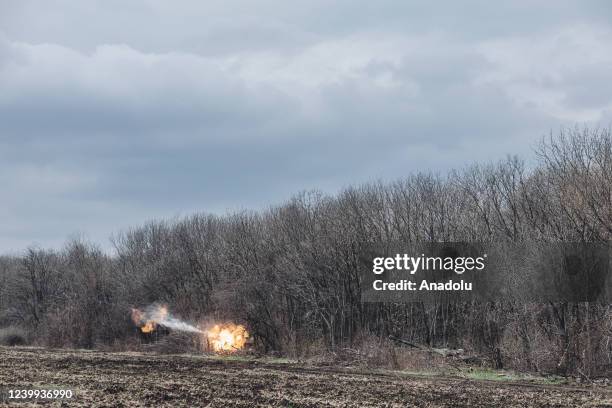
{"x": 139, "y": 379}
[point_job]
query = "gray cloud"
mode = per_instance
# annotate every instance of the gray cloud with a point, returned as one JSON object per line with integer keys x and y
{"x": 114, "y": 113}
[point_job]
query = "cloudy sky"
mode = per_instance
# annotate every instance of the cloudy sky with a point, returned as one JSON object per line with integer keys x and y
{"x": 115, "y": 112}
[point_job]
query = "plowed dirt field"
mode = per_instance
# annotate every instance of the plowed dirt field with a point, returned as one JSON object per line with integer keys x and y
{"x": 138, "y": 379}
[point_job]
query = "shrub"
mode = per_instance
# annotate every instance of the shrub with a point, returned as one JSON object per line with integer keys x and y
{"x": 13, "y": 336}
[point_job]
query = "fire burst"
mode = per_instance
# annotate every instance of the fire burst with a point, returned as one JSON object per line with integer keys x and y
{"x": 148, "y": 321}
{"x": 227, "y": 337}
{"x": 220, "y": 338}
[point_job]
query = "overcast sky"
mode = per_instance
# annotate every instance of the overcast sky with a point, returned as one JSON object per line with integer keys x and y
{"x": 115, "y": 112}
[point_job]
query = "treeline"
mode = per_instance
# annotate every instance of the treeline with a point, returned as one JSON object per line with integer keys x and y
{"x": 291, "y": 272}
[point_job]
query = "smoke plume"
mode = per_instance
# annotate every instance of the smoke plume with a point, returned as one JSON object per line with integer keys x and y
{"x": 158, "y": 315}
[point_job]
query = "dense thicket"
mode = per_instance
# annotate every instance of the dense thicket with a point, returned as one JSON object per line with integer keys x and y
{"x": 290, "y": 272}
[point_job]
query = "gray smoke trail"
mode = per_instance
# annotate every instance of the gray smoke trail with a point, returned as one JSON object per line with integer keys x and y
{"x": 176, "y": 324}
{"x": 161, "y": 316}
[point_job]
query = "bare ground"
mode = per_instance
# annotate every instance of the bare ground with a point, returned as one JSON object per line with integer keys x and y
{"x": 137, "y": 379}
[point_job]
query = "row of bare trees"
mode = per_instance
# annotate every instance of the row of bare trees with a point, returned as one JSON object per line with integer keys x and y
{"x": 291, "y": 272}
